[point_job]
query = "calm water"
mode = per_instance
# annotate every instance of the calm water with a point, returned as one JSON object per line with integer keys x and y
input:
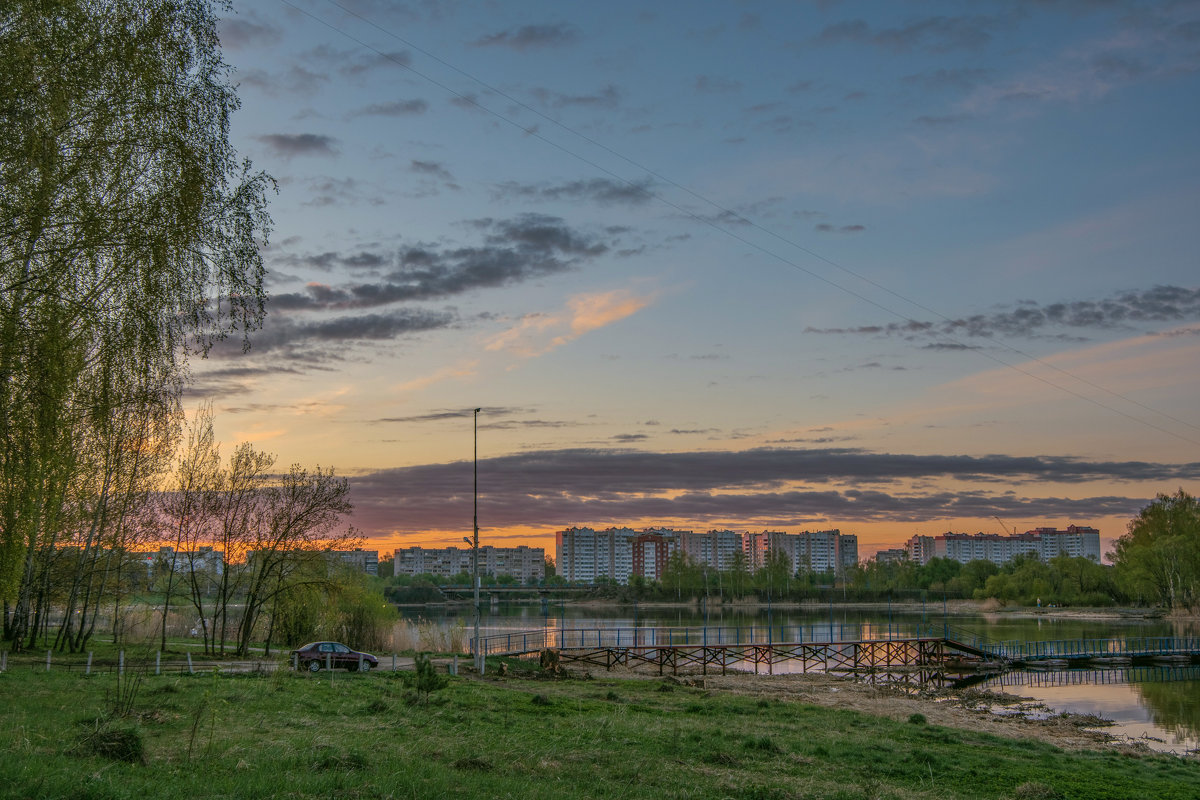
{"x": 1160, "y": 706}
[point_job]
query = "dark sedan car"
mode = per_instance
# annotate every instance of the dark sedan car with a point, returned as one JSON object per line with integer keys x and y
{"x": 315, "y": 656}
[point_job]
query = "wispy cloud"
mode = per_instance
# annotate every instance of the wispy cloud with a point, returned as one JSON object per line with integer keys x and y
{"x": 530, "y": 37}
{"x": 1169, "y": 304}
{"x": 537, "y": 334}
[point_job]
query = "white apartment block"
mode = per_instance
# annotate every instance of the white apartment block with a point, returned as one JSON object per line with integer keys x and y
{"x": 712, "y": 549}
{"x": 526, "y": 564}
{"x": 1045, "y": 543}
{"x": 586, "y": 555}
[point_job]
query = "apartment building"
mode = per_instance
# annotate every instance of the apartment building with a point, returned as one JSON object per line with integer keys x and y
{"x": 586, "y": 555}
{"x": 526, "y": 564}
{"x": 358, "y": 559}
{"x": 1045, "y": 543}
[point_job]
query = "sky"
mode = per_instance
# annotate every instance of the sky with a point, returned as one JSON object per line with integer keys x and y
{"x": 894, "y": 268}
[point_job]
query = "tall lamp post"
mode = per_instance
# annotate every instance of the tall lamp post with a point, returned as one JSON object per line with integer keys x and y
{"x": 475, "y": 548}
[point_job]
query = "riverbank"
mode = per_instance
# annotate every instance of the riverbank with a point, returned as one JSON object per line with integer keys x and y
{"x": 998, "y": 714}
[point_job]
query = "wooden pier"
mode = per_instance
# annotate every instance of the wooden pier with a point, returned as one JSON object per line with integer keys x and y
{"x": 940, "y": 652}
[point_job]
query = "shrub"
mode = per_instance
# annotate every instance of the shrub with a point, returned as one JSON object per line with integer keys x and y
{"x": 424, "y": 679}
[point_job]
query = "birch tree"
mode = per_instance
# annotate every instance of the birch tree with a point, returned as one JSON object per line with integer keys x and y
{"x": 130, "y": 236}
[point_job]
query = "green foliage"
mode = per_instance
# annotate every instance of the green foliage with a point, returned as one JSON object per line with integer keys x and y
{"x": 1158, "y": 558}
{"x": 131, "y": 236}
{"x": 111, "y": 741}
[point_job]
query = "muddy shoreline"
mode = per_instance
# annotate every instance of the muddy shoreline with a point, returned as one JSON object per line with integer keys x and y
{"x": 1000, "y": 714}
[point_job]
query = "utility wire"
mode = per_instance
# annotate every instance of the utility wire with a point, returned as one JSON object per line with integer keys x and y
{"x": 731, "y": 214}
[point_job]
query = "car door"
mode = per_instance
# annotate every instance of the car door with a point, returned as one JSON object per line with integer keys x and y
{"x": 342, "y": 658}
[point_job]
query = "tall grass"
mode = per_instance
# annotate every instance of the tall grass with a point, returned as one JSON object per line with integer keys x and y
{"x": 423, "y": 635}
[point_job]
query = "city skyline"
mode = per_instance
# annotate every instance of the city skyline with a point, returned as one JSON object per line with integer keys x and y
{"x": 890, "y": 268}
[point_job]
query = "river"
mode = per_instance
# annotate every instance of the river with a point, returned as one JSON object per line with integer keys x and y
{"x": 1159, "y": 706}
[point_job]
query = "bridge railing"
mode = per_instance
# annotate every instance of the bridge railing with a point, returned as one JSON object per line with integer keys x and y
{"x": 529, "y": 641}
{"x": 1127, "y": 647}
{"x": 822, "y": 633}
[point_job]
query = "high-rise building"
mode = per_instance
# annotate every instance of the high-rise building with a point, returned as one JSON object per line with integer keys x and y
{"x": 526, "y": 564}
{"x": 1045, "y": 543}
{"x": 585, "y": 555}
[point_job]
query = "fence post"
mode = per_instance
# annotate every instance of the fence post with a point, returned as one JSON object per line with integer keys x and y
{"x": 121, "y": 662}
{"x": 454, "y": 665}
{"x": 295, "y": 662}
{"x": 189, "y": 657}
{"x": 89, "y": 664}
{"x": 158, "y": 662}
{"x": 47, "y": 661}
{"x": 393, "y": 662}
{"x": 329, "y": 661}
{"x": 3, "y": 661}
{"x": 360, "y": 662}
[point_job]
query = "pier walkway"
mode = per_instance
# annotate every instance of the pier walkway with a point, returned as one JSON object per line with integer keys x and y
{"x": 829, "y": 648}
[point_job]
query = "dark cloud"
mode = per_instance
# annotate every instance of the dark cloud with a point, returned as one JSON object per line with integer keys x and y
{"x": 396, "y": 108}
{"x": 604, "y": 191}
{"x": 608, "y": 97}
{"x": 327, "y": 191}
{"x": 530, "y": 37}
{"x": 935, "y": 121}
{"x": 713, "y": 84}
{"x": 567, "y": 487}
{"x": 237, "y": 33}
{"x": 1168, "y": 304}
{"x": 211, "y": 381}
{"x": 287, "y": 145}
{"x": 434, "y": 168}
{"x": 963, "y": 78}
{"x": 363, "y": 64}
{"x": 295, "y": 79}
{"x": 825, "y": 227}
{"x": 514, "y": 250}
{"x": 933, "y": 34}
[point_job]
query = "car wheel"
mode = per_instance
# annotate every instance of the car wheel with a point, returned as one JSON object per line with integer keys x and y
{"x": 365, "y": 666}
{"x": 314, "y": 666}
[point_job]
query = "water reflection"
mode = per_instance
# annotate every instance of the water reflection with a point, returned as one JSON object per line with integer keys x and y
{"x": 1159, "y": 706}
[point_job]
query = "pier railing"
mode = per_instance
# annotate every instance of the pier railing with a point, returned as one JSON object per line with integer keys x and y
{"x": 530, "y": 641}
{"x": 1120, "y": 647}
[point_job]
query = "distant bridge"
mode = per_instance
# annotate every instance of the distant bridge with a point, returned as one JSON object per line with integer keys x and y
{"x": 467, "y": 590}
{"x": 821, "y": 648}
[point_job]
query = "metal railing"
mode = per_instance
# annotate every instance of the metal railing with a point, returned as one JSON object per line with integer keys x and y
{"x": 529, "y": 641}
{"x": 1119, "y": 647}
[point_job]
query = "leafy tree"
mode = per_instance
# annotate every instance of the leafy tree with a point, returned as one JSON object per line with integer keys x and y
{"x": 1158, "y": 558}
{"x": 130, "y": 235}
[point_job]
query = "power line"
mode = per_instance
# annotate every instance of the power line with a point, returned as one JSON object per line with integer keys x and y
{"x": 734, "y": 215}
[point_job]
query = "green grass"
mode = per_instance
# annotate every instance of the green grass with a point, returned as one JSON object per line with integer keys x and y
{"x": 365, "y": 736}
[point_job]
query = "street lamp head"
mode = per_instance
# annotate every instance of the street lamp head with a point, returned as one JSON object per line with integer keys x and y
{"x": 467, "y": 539}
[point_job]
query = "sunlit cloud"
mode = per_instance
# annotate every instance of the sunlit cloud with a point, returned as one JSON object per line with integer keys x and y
{"x": 537, "y": 334}
{"x": 459, "y": 371}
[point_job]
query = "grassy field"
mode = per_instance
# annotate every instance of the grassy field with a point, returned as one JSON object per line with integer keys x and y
{"x": 289, "y": 735}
